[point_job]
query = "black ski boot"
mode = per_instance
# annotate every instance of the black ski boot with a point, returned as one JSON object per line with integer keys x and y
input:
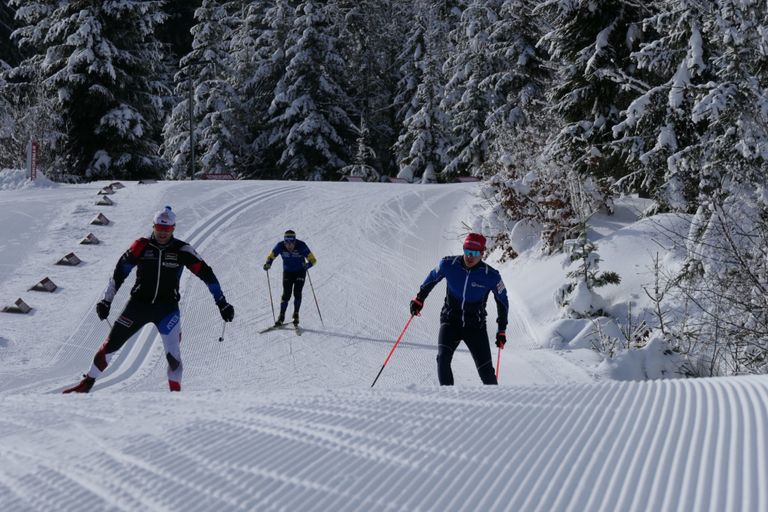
{"x": 280, "y": 320}
{"x": 295, "y": 319}
{"x": 83, "y": 386}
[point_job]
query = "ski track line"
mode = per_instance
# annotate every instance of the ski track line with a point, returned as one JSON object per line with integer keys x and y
{"x": 77, "y": 485}
{"x": 628, "y": 431}
{"x": 554, "y": 457}
{"x": 138, "y": 351}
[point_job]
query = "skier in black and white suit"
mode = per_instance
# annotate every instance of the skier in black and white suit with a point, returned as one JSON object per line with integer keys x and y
{"x": 160, "y": 261}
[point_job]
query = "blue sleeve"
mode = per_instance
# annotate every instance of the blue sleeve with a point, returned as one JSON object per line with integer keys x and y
{"x": 277, "y": 250}
{"x": 304, "y": 250}
{"x": 434, "y": 277}
{"x": 502, "y": 303}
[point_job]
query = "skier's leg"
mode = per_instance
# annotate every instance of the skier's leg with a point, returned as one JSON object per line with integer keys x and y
{"x": 133, "y": 318}
{"x": 169, "y": 327}
{"x": 298, "y": 286}
{"x": 447, "y": 341}
{"x": 287, "y": 287}
{"x": 476, "y": 339}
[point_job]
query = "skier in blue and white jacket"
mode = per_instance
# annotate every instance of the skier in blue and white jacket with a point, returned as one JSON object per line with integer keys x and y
{"x": 469, "y": 282}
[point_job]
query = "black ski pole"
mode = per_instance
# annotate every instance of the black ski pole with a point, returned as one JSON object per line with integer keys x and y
{"x": 393, "y": 350}
{"x": 315, "y": 296}
{"x": 271, "y": 302}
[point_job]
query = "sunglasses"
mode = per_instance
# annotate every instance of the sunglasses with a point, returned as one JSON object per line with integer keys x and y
{"x": 163, "y": 228}
{"x": 470, "y": 252}
{"x": 289, "y": 240}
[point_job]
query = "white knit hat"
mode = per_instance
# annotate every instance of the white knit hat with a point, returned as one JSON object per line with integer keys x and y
{"x": 165, "y": 217}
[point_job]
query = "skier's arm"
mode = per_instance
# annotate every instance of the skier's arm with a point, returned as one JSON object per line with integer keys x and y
{"x": 276, "y": 250}
{"x": 310, "y": 257}
{"x": 434, "y": 277}
{"x": 200, "y": 268}
{"x": 123, "y": 268}
{"x": 502, "y": 304}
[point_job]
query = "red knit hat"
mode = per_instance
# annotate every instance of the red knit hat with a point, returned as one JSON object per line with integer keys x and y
{"x": 475, "y": 242}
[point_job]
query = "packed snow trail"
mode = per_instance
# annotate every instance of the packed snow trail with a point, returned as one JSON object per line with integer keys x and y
{"x": 375, "y": 244}
{"x": 284, "y": 422}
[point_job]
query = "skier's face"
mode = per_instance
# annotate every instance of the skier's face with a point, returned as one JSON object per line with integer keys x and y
{"x": 162, "y": 233}
{"x": 289, "y": 244}
{"x": 472, "y": 258}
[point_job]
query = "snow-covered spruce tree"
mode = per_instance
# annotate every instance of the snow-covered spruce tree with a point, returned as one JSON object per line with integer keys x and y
{"x": 411, "y": 70}
{"x": 371, "y": 34}
{"x": 466, "y": 101}
{"x": 519, "y": 76}
{"x": 364, "y": 156}
{"x": 258, "y": 62}
{"x": 589, "y": 44}
{"x": 659, "y": 131}
{"x": 578, "y": 298}
{"x": 99, "y": 64}
{"x": 420, "y": 147}
{"x": 9, "y": 52}
{"x": 726, "y": 278}
{"x": 215, "y": 101}
{"x": 309, "y": 114}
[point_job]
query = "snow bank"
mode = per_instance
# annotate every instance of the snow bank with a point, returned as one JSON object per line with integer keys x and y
{"x": 17, "y": 179}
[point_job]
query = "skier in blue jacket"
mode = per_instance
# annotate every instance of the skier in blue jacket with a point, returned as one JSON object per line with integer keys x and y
{"x": 297, "y": 259}
{"x": 469, "y": 281}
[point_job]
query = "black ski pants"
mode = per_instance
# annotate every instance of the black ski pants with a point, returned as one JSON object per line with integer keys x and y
{"x": 475, "y": 337}
{"x": 136, "y": 315}
{"x": 293, "y": 283}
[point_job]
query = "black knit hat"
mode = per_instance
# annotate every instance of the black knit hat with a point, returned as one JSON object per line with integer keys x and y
{"x": 289, "y": 235}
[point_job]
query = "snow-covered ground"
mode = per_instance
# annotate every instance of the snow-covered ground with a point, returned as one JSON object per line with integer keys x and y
{"x": 277, "y": 421}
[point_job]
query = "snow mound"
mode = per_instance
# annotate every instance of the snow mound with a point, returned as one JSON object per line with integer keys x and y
{"x": 17, "y": 179}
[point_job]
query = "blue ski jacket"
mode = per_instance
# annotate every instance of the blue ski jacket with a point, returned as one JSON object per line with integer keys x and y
{"x": 293, "y": 261}
{"x": 467, "y": 291}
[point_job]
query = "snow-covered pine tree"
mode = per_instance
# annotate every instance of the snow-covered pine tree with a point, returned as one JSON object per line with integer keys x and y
{"x": 309, "y": 113}
{"x": 467, "y": 102}
{"x": 215, "y": 101}
{"x": 258, "y": 61}
{"x": 658, "y": 130}
{"x": 578, "y": 298}
{"x": 589, "y": 45}
{"x": 725, "y": 281}
{"x": 99, "y": 64}
{"x": 519, "y": 76}
{"x": 420, "y": 147}
{"x": 371, "y": 33}
{"x": 364, "y": 156}
{"x": 9, "y": 52}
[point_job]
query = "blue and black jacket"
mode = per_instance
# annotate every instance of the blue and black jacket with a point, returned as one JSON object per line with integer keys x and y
{"x": 467, "y": 291}
{"x": 293, "y": 261}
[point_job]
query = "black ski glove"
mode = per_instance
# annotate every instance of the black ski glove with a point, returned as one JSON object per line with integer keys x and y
{"x": 227, "y": 310}
{"x": 267, "y": 266}
{"x": 102, "y": 309}
{"x": 501, "y": 339}
{"x": 416, "y": 306}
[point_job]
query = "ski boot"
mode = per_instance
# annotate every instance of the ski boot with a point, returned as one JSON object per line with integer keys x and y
{"x": 280, "y": 320}
{"x": 296, "y": 319}
{"x": 83, "y": 386}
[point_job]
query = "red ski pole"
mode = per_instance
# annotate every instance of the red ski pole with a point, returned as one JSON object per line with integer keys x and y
{"x": 393, "y": 350}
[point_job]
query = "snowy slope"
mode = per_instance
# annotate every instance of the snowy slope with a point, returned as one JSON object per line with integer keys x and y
{"x": 276, "y": 421}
